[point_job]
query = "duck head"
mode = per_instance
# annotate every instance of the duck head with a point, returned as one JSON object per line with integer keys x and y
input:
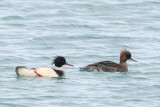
{"x": 59, "y": 61}
{"x": 125, "y": 55}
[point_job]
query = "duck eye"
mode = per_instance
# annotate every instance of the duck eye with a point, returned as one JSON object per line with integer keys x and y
{"x": 128, "y": 56}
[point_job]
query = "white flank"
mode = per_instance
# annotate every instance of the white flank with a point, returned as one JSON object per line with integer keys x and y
{"x": 44, "y": 71}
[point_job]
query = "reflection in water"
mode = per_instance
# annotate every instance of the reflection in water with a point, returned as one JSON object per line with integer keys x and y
{"x": 39, "y": 78}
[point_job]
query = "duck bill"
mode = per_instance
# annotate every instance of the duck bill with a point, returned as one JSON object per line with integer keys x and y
{"x": 68, "y": 64}
{"x": 132, "y": 60}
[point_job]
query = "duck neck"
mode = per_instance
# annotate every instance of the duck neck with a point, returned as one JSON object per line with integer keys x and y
{"x": 123, "y": 61}
{"x": 59, "y": 68}
{"x": 124, "y": 65}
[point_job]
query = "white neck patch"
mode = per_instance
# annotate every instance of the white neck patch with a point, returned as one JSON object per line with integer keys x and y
{"x": 59, "y": 68}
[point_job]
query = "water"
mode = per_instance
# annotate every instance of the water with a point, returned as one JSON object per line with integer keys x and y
{"x": 84, "y": 32}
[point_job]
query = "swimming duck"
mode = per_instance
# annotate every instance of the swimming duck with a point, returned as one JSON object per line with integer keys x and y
{"x": 111, "y": 66}
{"x": 59, "y": 61}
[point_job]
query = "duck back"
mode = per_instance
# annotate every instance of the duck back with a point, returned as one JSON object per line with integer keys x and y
{"x": 24, "y": 71}
{"x": 102, "y": 66}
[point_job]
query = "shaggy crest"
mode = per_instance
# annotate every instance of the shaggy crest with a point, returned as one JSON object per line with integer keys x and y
{"x": 53, "y": 61}
{"x": 125, "y": 52}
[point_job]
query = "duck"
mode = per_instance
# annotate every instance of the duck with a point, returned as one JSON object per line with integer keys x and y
{"x": 59, "y": 61}
{"x": 105, "y": 66}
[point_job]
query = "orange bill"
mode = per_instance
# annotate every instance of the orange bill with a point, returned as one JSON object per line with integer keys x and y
{"x": 132, "y": 60}
{"x": 68, "y": 64}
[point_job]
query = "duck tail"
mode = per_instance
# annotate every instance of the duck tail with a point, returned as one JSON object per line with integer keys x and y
{"x": 17, "y": 69}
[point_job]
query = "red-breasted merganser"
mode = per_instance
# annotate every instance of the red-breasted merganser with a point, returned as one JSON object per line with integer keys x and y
{"x": 59, "y": 61}
{"x": 111, "y": 66}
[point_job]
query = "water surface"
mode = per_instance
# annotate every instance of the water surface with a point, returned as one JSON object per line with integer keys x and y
{"x": 84, "y": 32}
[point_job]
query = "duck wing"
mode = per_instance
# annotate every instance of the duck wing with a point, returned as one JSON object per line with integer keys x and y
{"x": 102, "y": 66}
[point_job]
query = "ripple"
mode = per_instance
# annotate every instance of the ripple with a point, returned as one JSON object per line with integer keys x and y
{"x": 10, "y": 18}
{"x": 84, "y": 32}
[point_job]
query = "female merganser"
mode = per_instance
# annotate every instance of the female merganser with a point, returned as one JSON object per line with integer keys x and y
{"x": 59, "y": 61}
{"x": 111, "y": 66}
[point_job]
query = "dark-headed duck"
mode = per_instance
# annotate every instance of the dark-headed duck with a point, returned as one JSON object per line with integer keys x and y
{"x": 59, "y": 61}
